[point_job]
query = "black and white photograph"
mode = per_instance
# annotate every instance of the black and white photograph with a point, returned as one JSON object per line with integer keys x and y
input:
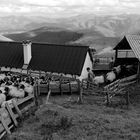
{"x": 69, "y": 69}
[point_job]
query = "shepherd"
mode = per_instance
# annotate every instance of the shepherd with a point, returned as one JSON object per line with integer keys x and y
{"x": 91, "y": 77}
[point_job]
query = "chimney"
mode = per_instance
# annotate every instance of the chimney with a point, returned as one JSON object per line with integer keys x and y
{"x": 27, "y": 51}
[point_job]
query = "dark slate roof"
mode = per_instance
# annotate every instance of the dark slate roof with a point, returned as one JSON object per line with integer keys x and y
{"x": 123, "y": 44}
{"x": 11, "y": 54}
{"x": 66, "y": 59}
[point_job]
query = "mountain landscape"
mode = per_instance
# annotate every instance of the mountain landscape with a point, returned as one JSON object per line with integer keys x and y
{"x": 98, "y": 32}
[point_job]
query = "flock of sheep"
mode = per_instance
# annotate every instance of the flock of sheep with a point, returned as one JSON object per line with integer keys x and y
{"x": 14, "y": 86}
{"x": 19, "y": 86}
{"x": 119, "y": 71}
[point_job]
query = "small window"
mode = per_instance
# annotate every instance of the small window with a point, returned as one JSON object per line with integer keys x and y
{"x": 126, "y": 54}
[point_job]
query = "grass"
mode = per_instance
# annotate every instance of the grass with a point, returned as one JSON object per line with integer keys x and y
{"x": 67, "y": 120}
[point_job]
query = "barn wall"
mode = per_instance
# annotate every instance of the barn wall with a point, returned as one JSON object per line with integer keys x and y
{"x": 127, "y": 61}
{"x": 87, "y": 63}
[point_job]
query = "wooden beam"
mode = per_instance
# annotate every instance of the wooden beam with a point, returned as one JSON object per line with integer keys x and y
{"x": 48, "y": 96}
{"x": 5, "y": 125}
{"x": 70, "y": 86}
{"x": 17, "y": 109}
{"x": 11, "y": 114}
{"x": 127, "y": 99}
{"x": 138, "y": 72}
{"x": 35, "y": 95}
{"x": 60, "y": 85}
{"x": 80, "y": 89}
{"x": 107, "y": 99}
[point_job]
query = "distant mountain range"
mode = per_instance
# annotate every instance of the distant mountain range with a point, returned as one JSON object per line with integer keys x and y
{"x": 96, "y": 31}
{"x": 44, "y": 34}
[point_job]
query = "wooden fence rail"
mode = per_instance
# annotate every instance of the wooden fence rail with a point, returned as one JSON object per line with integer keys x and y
{"x": 12, "y": 111}
{"x": 119, "y": 87}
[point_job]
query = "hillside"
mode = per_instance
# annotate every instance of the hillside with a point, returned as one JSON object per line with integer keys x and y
{"x": 93, "y": 30}
{"x": 65, "y": 119}
{"x": 47, "y": 34}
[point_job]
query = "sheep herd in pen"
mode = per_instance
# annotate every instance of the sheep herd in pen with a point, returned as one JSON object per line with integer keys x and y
{"x": 19, "y": 86}
{"x": 14, "y": 86}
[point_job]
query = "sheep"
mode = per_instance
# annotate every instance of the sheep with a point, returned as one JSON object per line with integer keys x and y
{"x": 2, "y": 89}
{"x": 12, "y": 90}
{"x": 4, "y": 103}
{"x": 99, "y": 80}
{"x": 18, "y": 93}
{"x": 117, "y": 69}
{"x": 28, "y": 88}
{"x": 110, "y": 76}
{"x": 2, "y": 97}
{"x": 2, "y": 76}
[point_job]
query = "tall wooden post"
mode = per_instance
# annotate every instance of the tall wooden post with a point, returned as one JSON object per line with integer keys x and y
{"x": 107, "y": 99}
{"x": 35, "y": 94}
{"x": 60, "y": 85}
{"x": 80, "y": 90}
{"x": 48, "y": 85}
{"x": 138, "y": 72}
{"x": 127, "y": 98}
{"x": 70, "y": 86}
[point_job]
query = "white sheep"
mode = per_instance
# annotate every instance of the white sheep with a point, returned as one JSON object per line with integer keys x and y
{"x": 2, "y": 89}
{"x": 117, "y": 69}
{"x": 29, "y": 89}
{"x": 99, "y": 80}
{"x": 20, "y": 93}
{"x": 2, "y": 76}
{"x": 14, "y": 92}
{"x": 110, "y": 76}
{"x": 9, "y": 103}
{"x": 2, "y": 98}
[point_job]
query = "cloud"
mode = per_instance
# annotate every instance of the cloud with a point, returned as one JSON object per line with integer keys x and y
{"x": 4, "y": 8}
{"x": 69, "y": 7}
{"x": 108, "y": 2}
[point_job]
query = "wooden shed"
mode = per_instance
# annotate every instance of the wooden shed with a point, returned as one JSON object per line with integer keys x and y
{"x": 128, "y": 51}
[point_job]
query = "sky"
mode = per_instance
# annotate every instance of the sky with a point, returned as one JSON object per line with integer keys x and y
{"x": 60, "y": 8}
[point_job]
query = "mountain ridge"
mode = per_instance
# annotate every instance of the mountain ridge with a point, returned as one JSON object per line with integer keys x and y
{"x": 89, "y": 29}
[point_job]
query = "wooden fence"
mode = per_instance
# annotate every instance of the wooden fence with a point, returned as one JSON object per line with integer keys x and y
{"x": 121, "y": 87}
{"x": 12, "y": 111}
{"x": 59, "y": 86}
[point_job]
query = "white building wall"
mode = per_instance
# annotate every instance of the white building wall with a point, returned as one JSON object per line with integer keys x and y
{"x": 87, "y": 63}
{"x": 27, "y": 52}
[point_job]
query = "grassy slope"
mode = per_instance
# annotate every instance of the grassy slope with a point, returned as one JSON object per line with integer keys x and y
{"x": 92, "y": 120}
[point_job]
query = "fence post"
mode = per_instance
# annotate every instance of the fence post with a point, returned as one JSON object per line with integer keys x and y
{"x": 60, "y": 85}
{"x": 35, "y": 94}
{"x": 70, "y": 86}
{"x": 127, "y": 99}
{"x": 48, "y": 96}
{"x": 5, "y": 125}
{"x": 11, "y": 114}
{"x": 80, "y": 90}
{"x": 38, "y": 89}
{"x": 107, "y": 98}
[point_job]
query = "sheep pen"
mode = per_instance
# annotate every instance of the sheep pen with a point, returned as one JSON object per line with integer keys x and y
{"x": 64, "y": 119}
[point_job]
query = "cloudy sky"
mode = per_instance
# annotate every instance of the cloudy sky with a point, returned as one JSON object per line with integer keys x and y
{"x": 68, "y": 7}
